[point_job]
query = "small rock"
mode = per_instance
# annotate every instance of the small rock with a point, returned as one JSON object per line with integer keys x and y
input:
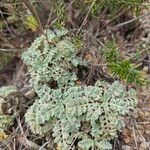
{"x": 30, "y": 94}
{"x": 144, "y": 145}
{"x": 126, "y": 147}
{"x": 147, "y": 132}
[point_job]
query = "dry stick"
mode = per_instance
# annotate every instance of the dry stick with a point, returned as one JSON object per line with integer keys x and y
{"x": 132, "y": 20}
{"x": 9, "y": 41}
{"x": 1, "y": 13}
{"x": 127, "y": 22}
{"x": 144, "y": 123}
{"x": 100, "y": 44}
{"x": 118, "y": 15}
{"x": 86, "y": 32}
{"x": 47, "y": 26}
{"x": 70, "y": 4}
{"x": 135, "y": 139}
{"x": 83, "y": 23}
{"x": 14, "y": 144}
{"x": 41, "y": 148}
{"x": 48, "y": 21}
{"x": 9, "y": 50}
{"x": 6, "y": 143}
{"x": 7, "y": 146}
{"x": 75, "y": 137}
{"x": 139, "y": 132}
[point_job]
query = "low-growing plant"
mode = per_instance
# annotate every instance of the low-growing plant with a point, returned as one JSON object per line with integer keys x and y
{"x": 51, "y": 58}
{"x": 122, "y": 67}
{"x": 89, "y": 115}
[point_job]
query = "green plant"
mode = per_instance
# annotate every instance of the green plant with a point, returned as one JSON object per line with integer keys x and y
{"x": 111, "y": 5}
{"x": 31, "y": 23}
{"x": 90, "y": 115}
{"x": 77, "y": 41}
{"x": 100, "y": 108}
{"x": 60, "y": 13}
{"x": 122, "y": 67}
{"x": 115, "y": 5}
{"x": 50, "y": 60}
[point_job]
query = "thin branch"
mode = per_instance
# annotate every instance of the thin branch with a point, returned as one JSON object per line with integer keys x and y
{"x": 83, "y": 23}
{"x": 9, "y": 50}
{"x": 1, "y": 13}
{"x": 8, "y": 40}
{"x": 132, "y": 20}
{"x": 134, "y": 135}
